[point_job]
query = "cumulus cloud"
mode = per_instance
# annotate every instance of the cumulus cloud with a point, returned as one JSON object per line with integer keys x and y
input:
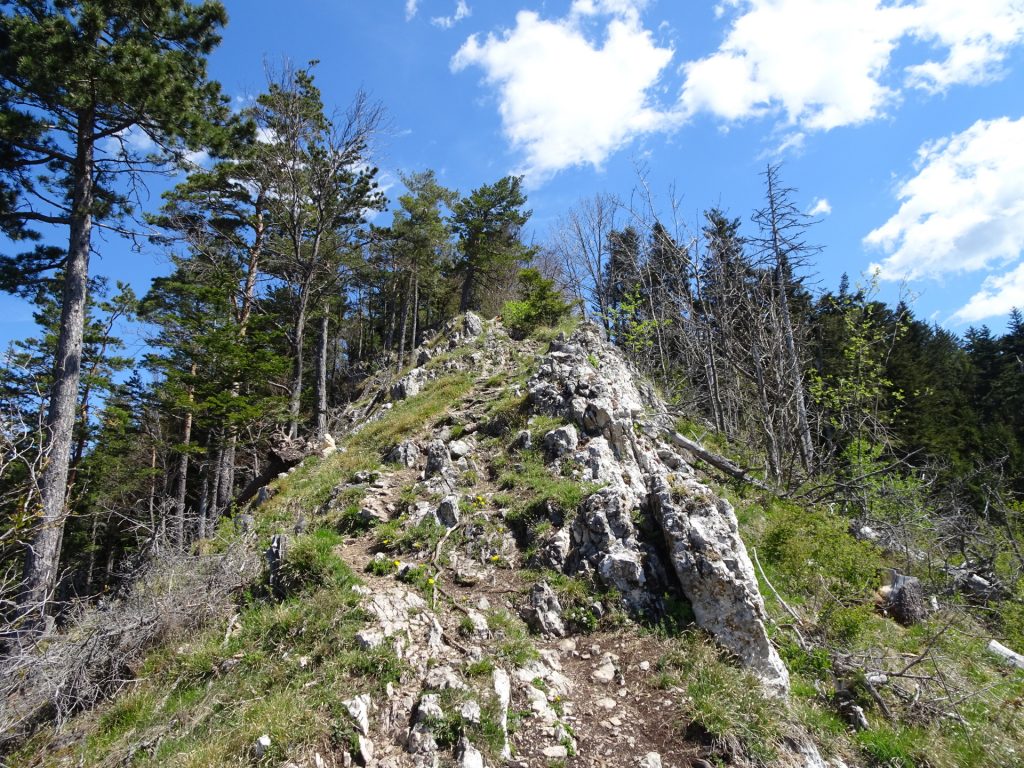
{"x": 998, "y": 295}
{"x": 462, "y": 10}
{"x": 961, "y": 212}
{"x": 821, "y": 64}
{"x": 964, "y": 208}
{"x": 820, "y": 207}
{"x": 564, "y": 98}
{"x": 411, "y": 6}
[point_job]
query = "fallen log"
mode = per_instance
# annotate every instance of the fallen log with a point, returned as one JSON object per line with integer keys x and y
{"x": 1010, "y": 657}
{"x": 717, "y": 461}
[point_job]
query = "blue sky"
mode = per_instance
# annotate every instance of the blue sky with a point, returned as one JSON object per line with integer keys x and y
{"x": 901, "y": 124}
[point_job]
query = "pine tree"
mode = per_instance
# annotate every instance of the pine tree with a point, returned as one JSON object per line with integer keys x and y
{"x": 489, "y": 223}
{"x": 322, "y": 187}
{"x": 78, "y": 77}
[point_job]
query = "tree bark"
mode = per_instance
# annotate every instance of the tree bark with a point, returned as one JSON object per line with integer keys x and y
{"x": 796, "y": 376}
{"x": 466, "y": 300}
{"x": 404, "y": 331}
{"x": 321, "y": 376}
{"x": 415, "y": 309}
{"x": 42, "y": 558}
{"x": 181, "y": 486}
{"x": 295, "y": 402}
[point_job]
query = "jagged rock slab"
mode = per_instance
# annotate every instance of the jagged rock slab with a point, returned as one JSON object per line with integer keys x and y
{"x": 585, "y": 381}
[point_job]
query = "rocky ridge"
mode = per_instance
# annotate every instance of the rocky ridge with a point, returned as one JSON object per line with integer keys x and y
{"x": 581, "y": 699}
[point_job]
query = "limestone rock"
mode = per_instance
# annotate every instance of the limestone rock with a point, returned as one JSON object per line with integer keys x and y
{"x": 469, "y": 756}
{"x": 553, "y": 550}
{"x": 650, "y": 760}
{"x": 443, "y": 678}
{"x": 407, "y": 453}
{"x": 619, "y": 416}
{"x": 472, "y": 325}
{"x": 460, "y": 448}
{"x": 411, "y": 384}
{"x": 447, "y": 512}
{"x": 523, "y": 441}
{"x": 561, "y": 440}
{"x": 359, "y": 709}
{"x": 543, "y": 612}
{"x": 503, "y": 690}
{"x": 471, "y": 712}
{"x": 438, "y": 460}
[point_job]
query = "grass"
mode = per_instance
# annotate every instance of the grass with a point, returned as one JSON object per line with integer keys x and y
{"x": 310, "y": 487}
{"x": 723, "y": 702}
{"x": 411, "y": 416}
{"x": 206, "y": 702}
{"x": 514, "y": 645}
{"x": 537, "y": 491}
{"x": 398, "y": 537}
{"x": 486, "y": 735}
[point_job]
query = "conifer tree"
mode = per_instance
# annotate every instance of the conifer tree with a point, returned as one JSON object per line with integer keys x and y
{"x": 489, "y": 223}
{"x": 81, "y": 80}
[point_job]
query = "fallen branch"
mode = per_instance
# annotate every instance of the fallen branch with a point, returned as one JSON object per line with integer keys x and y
{"x": 1010, "y": 657}
{"x": 717, "y": 461}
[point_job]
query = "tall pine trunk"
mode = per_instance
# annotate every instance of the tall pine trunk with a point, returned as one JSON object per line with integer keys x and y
{"x": 323, "y": 342}
{"x": 181, "y": 481}
{"x": 42, "y": 558}
{"x": 404, "y": 331}
{"x": 295, "y": 403}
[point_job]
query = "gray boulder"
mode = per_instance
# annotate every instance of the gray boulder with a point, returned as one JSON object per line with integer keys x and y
{"x": 561, "y": 440}
{"x": 543, "y": 611}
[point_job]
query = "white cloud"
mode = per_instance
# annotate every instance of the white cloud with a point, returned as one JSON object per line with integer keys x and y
{"x": 197, "y": 159}
{"x": 963, "y": 210}
{"x": 820, "y": 207}
{"x": 265, "y": 135}
{"x": 462, "y": 10}
{"x": 977, "y": 34}
{"x": 821, "y": 64}
{"x": 565, "y": 100}
{"x": 998, "y": 295}
{"x": 411, "y": 6}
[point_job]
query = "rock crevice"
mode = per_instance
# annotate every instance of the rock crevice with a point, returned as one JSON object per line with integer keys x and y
{"x": 585, "y": 381}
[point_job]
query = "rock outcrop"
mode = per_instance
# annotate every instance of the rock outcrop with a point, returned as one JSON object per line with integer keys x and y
{"x": 585, "y": 381}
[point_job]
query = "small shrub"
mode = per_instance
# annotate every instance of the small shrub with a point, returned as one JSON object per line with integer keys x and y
{"x": 722, "y": 700}
{"x": 541, "y": 304}
{"x": 381, "y": 566}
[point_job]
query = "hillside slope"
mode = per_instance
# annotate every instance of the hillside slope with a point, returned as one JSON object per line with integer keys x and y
{"x": 505, "y": 562}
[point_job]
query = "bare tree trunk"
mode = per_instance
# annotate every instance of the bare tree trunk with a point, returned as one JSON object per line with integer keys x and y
{"x": 321, "y": 376}
{"x": 295, "y": 401}
{"x": 771, "y": 441}
{"x": 226, "y": 481}
{"x": 775, "y": 199}
{"x": 42, "y": 558}
{"x": 181, "y": 483}
{"x": 152, "y": 493}
{"x": 415, "y": 309}
{"x": 466, "y": 300}
{"x": 405, "y": 329}
{"x": 210, "y": 511}
{"x": 795, "y": 373}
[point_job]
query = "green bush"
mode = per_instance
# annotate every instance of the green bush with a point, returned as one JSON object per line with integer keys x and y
{"x": 541, "y": 304}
